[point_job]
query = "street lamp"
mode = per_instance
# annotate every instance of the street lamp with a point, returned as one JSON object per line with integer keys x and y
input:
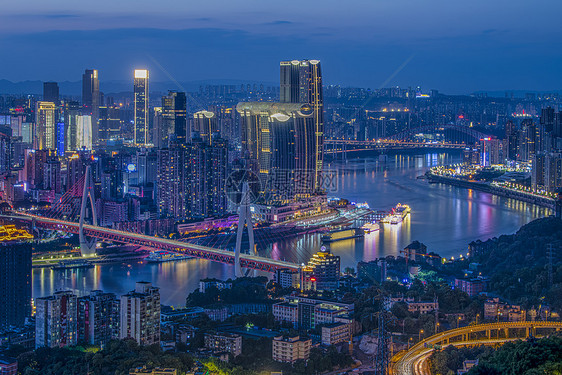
{"x": 458, "y": 321}
{"x": 477, "y": 316}
{"x": 409, "y": 341}
{"x": 419, "y": 335}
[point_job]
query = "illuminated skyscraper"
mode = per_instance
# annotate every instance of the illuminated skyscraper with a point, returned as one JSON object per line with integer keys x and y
{"x": 84, "y": 132}
{"x": 301, "y": 82}
{"x": 141, "y": 107}
{"x": 174, "y": 118}
{"x": 205, "y": 124}
{"x": 91, "y": 99}
{"x": 277, "y": 139}
{"x": 51, "y": 92}
{"x": 45, "y": 129}
{"x": 110, "y": 123}
{"x": 71, "y": 113}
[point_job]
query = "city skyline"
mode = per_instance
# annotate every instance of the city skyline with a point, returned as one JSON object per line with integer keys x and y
{"x": 288, "y": 187}
{"x": 438, "y": 45}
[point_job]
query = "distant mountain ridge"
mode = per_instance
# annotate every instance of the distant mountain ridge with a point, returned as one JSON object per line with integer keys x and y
{"x": 74, "y": 88}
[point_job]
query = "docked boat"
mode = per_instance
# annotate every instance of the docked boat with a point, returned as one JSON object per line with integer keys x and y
{"x": 397, "y": 215}
{"x": 343, "y": 234}
{"x": 161, "y": 256}
{"x": 68, "y": 264}
{"x": 370, "y": 227}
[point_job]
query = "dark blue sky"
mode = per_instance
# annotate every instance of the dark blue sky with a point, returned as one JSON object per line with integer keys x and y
{"x": 454, "y": 46}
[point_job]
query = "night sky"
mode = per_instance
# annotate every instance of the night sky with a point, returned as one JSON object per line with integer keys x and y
{"x": 450, "y": 45}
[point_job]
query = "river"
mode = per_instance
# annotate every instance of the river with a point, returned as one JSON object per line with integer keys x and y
{"x": 444, "y": 218}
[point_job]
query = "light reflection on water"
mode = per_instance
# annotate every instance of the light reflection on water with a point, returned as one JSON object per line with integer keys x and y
{"x": 445, "y": 218}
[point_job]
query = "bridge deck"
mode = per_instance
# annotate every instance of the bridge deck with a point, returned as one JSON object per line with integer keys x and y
{"x": 198, "y": 251}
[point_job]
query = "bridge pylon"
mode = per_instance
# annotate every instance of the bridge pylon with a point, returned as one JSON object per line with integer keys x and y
{"x": 87, "y": 248}
{"x": 244, "y": 220}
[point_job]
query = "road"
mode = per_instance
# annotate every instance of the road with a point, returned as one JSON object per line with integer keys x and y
{"x": 414, "y": 361}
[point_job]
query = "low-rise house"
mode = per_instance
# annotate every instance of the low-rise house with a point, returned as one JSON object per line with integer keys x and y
{"x": 290, "y": 349}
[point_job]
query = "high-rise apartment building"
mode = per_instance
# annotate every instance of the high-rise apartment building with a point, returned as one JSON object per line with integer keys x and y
{"x": 191, "y": 179}
{"x": 15, "y": 282}
{"x": 98, "y": 318}
{"x": 52, "y": 176}
{"x": 45, "y": 126}
{"x": 301, "y": 82}
{"x": 140, "y": 314}
{"x": 56, "y": 320}
{"x": 91, "y": 99}
{"x": 553, "y": 172}
{"x": 51, "y": 92}
{"x": 172, "y": 182}
{"x": 207, "y": 179}
{"x": 141, "y": 112}
{"x": 511, "y": 144}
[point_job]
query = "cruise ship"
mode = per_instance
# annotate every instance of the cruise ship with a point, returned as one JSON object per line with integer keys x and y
{"x": 398, "y": 214}
{"x": 161, "y": 256}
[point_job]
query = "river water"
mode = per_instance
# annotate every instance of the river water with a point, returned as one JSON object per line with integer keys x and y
{"x": 444, "y": 218}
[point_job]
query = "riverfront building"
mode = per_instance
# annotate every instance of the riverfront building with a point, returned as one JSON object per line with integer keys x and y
{"x": 140, "y": 314}
{"x": 56, "y": 320}
{"x": 323, "y": 270}
{"x": 98, "y": 318}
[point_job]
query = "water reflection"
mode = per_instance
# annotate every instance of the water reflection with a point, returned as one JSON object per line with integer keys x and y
{"x": 445, "y": 218}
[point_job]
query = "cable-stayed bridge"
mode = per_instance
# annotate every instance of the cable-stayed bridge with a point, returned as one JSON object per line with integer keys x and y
{"x": 69, "y": 214}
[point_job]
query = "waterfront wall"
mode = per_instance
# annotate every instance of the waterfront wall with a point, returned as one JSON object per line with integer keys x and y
{"x": 496, "y": 190}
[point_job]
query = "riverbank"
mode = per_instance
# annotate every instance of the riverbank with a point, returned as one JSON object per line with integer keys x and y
{"x": 496, "y": 190}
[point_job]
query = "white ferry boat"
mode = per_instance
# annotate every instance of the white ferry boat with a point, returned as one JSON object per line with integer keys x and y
{"x": 397, "y": 215}
{"x": 161, "y": 256}
{"x": 370, "y": 227}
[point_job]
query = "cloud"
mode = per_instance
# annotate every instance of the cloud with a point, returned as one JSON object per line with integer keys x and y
{"x": 279, "y": 22}
{"x": 47, "y": 16}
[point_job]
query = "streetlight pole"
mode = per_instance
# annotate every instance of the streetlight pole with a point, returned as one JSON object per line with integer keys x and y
{"x": 419, "y": 335}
